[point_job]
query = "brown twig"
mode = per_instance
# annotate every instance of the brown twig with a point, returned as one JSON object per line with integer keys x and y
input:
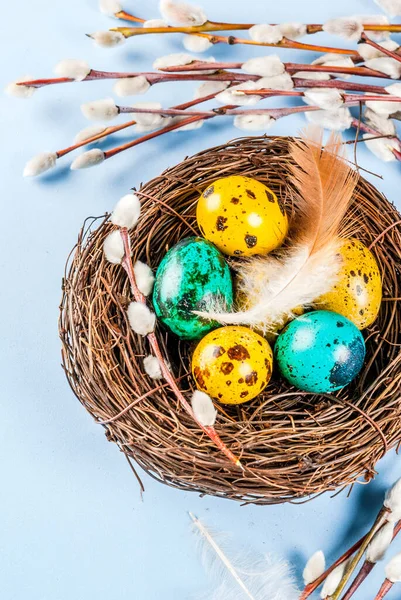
{"x": 384, "y": 590}
{"x": 139, "y": 297}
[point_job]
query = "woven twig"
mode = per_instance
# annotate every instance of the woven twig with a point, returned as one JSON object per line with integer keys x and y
{"x": 292, "y": 444}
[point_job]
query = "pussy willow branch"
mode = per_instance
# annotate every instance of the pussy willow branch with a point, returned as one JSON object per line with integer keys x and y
{"x": 139, "y": 297}
{"x": 359, "y": 125}
{"x": 194, "y": 72}
{"x": 311, "y": 587}
{"x": 384, "y": 590}
{"x": 380, "y": 519}
{"x": 232, "y": 41}
{"x": 289, "y": 67}
{"x": 381, "y": 49}
{"x": 311, "y": 28}
{"x": 349, "y": 100}
{"x": 274, "y": 113}
{"x": 110, "y": 130}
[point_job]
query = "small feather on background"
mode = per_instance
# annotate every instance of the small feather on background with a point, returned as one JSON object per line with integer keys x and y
{"x": 238, "y": 574}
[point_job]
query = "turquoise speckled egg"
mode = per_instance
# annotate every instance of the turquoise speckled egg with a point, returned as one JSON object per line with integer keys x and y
{"x": 190, "y": 277}
{"x": 320, "y": 352}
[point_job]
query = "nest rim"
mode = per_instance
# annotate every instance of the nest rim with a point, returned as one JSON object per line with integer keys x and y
{"x": 294, "y": 445}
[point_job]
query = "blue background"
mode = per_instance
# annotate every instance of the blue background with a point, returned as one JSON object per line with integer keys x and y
{"x": 72, "y": 523}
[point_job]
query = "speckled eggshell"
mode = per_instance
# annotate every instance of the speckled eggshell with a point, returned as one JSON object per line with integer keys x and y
{"x": 192, "y": 275}
{"x": 241, "y": 216}
{"x": 320, "y": 352}
{"x": 358, "y": 292}
{"x": 232, "y": 364}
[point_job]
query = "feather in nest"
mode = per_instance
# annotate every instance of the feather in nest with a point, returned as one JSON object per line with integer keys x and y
{"x": 243, "y": 574}
{"x": 274, "y": 286}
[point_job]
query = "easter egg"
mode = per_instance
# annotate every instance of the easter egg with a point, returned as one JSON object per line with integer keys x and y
{"x": 191, "y": 276}
{"x": 232, "y": 364}
{"x": 320, "y": 352}
{"x": 357, "y": 293}
{"x": 241, "y": 216}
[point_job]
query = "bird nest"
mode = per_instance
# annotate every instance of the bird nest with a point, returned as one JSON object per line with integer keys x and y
{"x": 292, "y": 444}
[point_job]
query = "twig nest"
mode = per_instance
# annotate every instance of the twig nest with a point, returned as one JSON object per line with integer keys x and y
{"x": 289, "y": 441}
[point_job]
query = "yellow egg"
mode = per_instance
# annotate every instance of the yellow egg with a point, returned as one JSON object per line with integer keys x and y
{"x": 232, "y": 364}
{"x": 357, "y": 294}
{"x": 241, "y": 216}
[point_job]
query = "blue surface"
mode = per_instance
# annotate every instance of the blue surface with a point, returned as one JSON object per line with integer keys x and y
{"x": 72, "y": 522}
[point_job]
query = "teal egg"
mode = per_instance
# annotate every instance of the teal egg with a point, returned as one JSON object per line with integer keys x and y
{"x": 191, "y": 276}
{"x": 320, "y": 352}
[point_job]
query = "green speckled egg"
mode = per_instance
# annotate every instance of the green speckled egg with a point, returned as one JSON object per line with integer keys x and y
{"x": 190, "y": 277}
{"x": 320, "y": 352}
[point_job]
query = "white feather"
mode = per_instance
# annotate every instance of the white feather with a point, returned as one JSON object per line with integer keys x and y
{"x": 317, "y": 75}
{"x": 349, "y": 28}
{"x": 89, "y": 132}
{"x": 392, "y": 7}
{"x": 154, "y": 23}
{"x": 88, "y": 159}
{"x": 110, "y": 7}
{"x": 380, "y": 543}
{"x": 334, "y": 120}
{"x": 266, "y": 34}
{"x": 72, "y": 69}
{"x": 278, "y": 82}
{"x": 144, "y": 277}
{"x": 292, "y": 31}
{"x": 253, "y": 122}
{"x": 269, "y": 303}
{"x": 107, "y": 39}
{"x": 203, "y": 408}
{"x": 126, "y": 212}
{"x": 180, "y": 13}
{"x": 367, "y": 51}
{"x": 141, "y": 319}
{"x": 196, "y": 43}
{"x": 152, "y": 367}
{"x": 20, "y": 91}
{"x": 393, "y": 569}
{"x": 230, "y": 95}
{"x": 236, "y": 575}
{"x": 326, "y": 99}
{"x": 381, "y": 123}
{"x": 268, "y": 66}
{"x": 100, "y": 110}
{"x": 314, "y": 567}
{"x": 40, "y": 164}
{"x": 210, "y": 87}
{"x": 392, "y": 499}
{"x": 381, "y": 147}
{"x": 332, "y": 581}
{"x": 131, "y": 86}
{"x": 113, "y": 247}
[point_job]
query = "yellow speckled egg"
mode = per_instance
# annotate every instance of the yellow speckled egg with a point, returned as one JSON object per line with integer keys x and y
{"x": 357, "y": 294}
{"x": 241, "y": 216}
{"x": 232, "y": 364}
